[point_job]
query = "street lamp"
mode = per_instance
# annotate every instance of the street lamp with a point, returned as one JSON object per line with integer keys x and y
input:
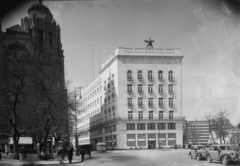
{"x": 75, "y": 118}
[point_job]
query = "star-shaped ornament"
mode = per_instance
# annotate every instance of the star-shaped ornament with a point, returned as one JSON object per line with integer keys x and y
{"x": 149, "y": 43}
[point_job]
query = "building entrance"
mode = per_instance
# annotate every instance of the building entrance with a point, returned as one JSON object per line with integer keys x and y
{"x": 151, "y": 144}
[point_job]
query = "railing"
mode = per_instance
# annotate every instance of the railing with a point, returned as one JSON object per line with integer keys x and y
{"x": 142, "y": 52}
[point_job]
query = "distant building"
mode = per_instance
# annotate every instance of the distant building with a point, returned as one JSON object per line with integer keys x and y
{"x": 135, "y": 102}
{"x": 198, "y": 132}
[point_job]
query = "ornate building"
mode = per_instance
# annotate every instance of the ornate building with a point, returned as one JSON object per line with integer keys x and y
{"x": 38, "y": 39}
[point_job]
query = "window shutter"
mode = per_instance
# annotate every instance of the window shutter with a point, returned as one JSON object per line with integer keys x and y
{"x": 173, "y": 88}
{"x": 173, "y": 76}
{"x": 173, "y": 103}
{"x": 163, "y": 103}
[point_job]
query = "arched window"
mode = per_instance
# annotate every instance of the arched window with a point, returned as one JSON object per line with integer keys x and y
{"x": 105, "y": 85}
{"x": 129, "y": 75}
{"x": 150, "y": 75}
{"x": 170, "y": 75}
{"x": 140, "y": 76}
{"x": 160, "y": 75}
{"x": 112, "y": 79}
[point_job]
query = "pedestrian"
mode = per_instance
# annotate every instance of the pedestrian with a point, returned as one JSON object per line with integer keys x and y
{"x": 61, "y": 155}
{"x": 24, "y": 153}
{"x": 82, "y": 153}
{"x": 70, "y": 154}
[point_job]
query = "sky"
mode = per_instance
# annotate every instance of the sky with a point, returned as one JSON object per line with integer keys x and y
{"x": 206, "y": 31}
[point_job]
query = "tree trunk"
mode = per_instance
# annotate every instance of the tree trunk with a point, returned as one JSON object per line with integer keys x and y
{"x": 16, "y": 148}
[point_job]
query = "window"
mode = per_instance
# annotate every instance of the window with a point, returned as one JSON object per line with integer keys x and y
{"x": 141, "y": 126}
{"x": 130, "y": 104}
{"x": 129, "y": 75}
{"x": 160, "y": 89}
{"x": 109, "y": 98}
{"x": 131, "y": 140}
{"x": 105, "y": 85}
{"x": 150, "y": 76}
{"x": 140, "y": 88}
{"x": 151, "y": 126}
{"x": 160, "y": 75}
{"x": 113, "y": 79}
{"x": 109, "y": 110}
{"x": 170, "y": 76}
{"x": 139, "y": 76}
{"x": 170, "y": 114}
{"x": 113, "y": 115}
{"x": 108, "y": 82}
{"x": 150, "y": 102}
{"x": 170, "y": 89}
{"x": 130, "y": 115}
{"x": 171, "y": 102}
{"x": 160, "y": 114}
{"x": 150, "y": 113}
{"x": 140, "y": 102}
{"x": 129, "y": 88}
{"x": 113, "y": 95}
{"x": 110, "y": 129}
{"x": 106, "y": 129}
{"x": 130, "y": 126}
{"x": 171, "y": 126}
{"x": 140, "y": 115}
{"x": 161, "y": 126}
{"x": 160, "y": 102}
{"x": 113, "y": 108}
{"x": 105, "y": 111}
{"x": 114, "y": 127}
{"x": 150, "y": 88}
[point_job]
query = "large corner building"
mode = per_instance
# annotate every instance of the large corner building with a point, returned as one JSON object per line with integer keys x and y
{"x": 135, "y": 102}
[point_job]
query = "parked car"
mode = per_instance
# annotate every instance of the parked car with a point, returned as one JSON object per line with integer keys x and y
{"x": 223, "y": 153}
{"x": 198, "y": 152}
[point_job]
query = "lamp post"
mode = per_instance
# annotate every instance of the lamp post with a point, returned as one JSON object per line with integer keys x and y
{"x": 75, "y": 117}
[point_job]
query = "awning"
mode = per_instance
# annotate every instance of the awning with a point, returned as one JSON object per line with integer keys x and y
{"x": 22, "y": 140}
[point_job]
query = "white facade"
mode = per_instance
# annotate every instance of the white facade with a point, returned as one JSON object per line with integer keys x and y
{"x": 136, "y": 102}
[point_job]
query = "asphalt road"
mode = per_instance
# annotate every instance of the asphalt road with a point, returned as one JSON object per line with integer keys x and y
{"x": 163, "y": 157}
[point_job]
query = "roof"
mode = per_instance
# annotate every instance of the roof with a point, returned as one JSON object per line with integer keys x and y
{"x": 16, "y": 28}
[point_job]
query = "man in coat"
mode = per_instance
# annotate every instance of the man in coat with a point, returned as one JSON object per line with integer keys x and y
{"x": 70, "y": 154}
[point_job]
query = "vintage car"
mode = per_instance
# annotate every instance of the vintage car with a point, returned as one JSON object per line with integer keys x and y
{"x": 223, "y": 153}
{"x": 198, "y": 152}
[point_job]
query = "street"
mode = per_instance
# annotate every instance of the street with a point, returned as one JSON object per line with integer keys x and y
{"x": 163, "y": 157}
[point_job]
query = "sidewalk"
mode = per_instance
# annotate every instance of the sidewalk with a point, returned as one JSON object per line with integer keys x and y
{"x": 7, "y": 161}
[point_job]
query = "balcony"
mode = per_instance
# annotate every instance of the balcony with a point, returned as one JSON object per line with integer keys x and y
{"x": 140, "y": 78}
{"x": 161, "y": 92}
{"x": 140, "y": 92}
{"x": 151, "y": 106}
{"x": 161, "y": 105}
{"x": 150, "y": 79}
{"x": 130, "y": 105}
{"x": 171, "y": 92}
{"x": 129, "y": 78}
{"x": 130, "y": 92}
{"x": 171, "y": 79}
{"x": 160, "y": 79}
{"x": 171, "y": 106}
{"x": 141, "y": 106}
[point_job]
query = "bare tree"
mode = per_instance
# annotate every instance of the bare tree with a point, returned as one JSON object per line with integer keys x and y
{"x": 209, "y": 119}
{"x": 223, "y": 123}
{"x": 17, "y": 94}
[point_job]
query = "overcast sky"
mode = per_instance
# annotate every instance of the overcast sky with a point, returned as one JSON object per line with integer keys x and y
{"x": 206, "y": 31}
